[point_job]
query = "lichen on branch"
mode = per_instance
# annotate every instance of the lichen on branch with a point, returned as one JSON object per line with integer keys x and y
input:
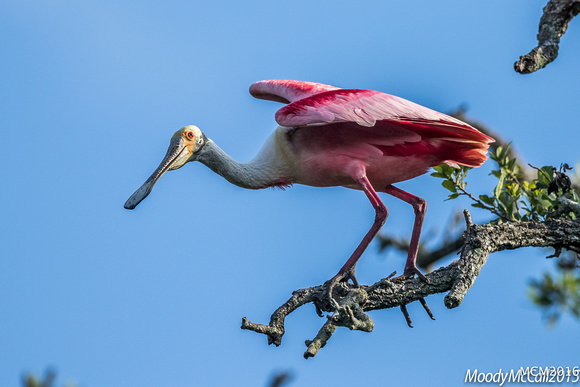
{"x": 553, "y": 24}
{"x": 456, "y": 279}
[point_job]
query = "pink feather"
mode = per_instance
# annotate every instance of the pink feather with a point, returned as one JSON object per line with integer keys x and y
{"x": 287, "y": 91}
{"x": 367, "y": 120}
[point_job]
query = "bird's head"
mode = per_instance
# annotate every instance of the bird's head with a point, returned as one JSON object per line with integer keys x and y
{"x": 184, "y": 147}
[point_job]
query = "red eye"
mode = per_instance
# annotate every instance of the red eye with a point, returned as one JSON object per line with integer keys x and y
{"x": 190, "y": 135}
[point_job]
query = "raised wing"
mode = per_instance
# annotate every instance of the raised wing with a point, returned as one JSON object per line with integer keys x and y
{"x": 364, "y": 107}
{"x": 376, "y": 121}
{"x": 287, "y": 91}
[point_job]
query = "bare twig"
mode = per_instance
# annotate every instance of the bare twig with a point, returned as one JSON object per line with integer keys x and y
{"x": 456, "y": 278}
{"x": 566, "y": 206}
{"x": 491, "y": 209}
{"x": 349, "y": 313}
{"x": 280, "y": 379}
{"x": 553, "y": 24}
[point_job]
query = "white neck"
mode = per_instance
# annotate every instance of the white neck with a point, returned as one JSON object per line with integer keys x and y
{"x": 256, "y": 174}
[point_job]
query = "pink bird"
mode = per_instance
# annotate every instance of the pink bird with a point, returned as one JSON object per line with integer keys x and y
{"x": 360, "y": 139}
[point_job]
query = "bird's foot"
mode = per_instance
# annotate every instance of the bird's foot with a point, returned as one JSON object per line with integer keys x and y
{"x": 408, "y": 317}
{"x": 411, "y": 271}
{"x": 340, "y": 277}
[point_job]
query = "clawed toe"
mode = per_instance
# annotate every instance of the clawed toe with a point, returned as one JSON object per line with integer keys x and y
{"x": 340, "y": 277}
{"x": 410, "y": 272}
{"x": 408, "y": 317}
{"x": 426, "y": 307}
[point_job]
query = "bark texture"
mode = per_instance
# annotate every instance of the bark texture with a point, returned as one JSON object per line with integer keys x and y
{"x": 553, "y": 24}
{"x": 350, "y": 303}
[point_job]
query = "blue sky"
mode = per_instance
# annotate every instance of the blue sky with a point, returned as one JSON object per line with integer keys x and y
{"x": 91, "y": 92}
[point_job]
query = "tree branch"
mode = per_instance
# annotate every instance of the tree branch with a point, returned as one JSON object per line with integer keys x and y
{"x": 456, "y": 278}
{"x": 553, "y": 24}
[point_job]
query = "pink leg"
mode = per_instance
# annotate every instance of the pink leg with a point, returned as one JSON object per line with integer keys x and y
{"x": 347, "y": 271}
{"x": 419, "y": 206}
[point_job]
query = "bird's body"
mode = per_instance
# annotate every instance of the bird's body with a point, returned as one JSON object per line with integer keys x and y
{"x": 291, "y": 156}
{"x": 359, "y": 139}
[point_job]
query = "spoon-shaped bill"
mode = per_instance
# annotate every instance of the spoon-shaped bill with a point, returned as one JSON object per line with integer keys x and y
{"x": 172, "y": 160}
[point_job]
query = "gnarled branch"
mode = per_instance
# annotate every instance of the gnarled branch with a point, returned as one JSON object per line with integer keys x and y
{"x": 457, "y": 278}
{"x": 553, "y": 24}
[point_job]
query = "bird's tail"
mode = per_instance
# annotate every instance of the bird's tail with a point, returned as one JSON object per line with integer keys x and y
{"x": 464, "y": 152}
{"x": 453, "y": 141}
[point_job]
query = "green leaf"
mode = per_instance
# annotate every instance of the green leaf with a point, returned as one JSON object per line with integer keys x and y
{"x": 503, "y": 152}
{"x": 499, "y": 186}
{"x": 449, "y": 185}
{"x": 502, "y": 207}
{"x": 445, "y": 170}
{"x": 493, "y": 155}
{"x": 546, "y": 175}
{"x": 487, "y": 200}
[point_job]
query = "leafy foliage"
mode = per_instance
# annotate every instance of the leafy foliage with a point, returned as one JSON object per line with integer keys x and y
{"x": 47, "y": 380}
{"x": 556, "y": 295}
{"x": 513, "y": 198}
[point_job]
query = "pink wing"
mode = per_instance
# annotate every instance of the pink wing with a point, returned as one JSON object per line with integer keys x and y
{"x": 364, "y": 107}
{"x": 287, "y": 91}
{"x": 389, "y": 124}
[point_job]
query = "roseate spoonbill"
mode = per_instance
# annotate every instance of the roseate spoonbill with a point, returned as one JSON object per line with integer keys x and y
{"x": 328, "y": 136}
